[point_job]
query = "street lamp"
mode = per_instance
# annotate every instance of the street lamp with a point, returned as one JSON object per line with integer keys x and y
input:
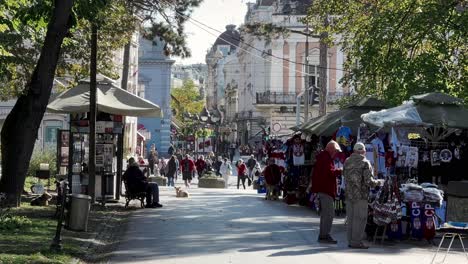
{"x": 204, "y": 114}
{"x": 204, "y": 117}
{"x": 215, "y": 121}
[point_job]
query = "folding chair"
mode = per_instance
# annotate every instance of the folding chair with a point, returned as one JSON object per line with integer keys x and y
{"x": 451, "y": 232}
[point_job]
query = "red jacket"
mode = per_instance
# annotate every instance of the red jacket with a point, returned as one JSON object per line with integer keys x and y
{"x": 191, "y": 165}
{"x": 200, "y": 164}
{"x": 324, "y": 175}
{"x": 242, "y": 170}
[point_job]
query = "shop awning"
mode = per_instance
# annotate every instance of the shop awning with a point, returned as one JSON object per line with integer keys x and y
{"x": 350, "y": 116}
{"x": 111, "y": 99}
{"x": 427, "y": 110}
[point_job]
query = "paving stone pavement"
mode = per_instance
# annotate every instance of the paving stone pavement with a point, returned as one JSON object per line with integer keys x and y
{"x": 238, "y": 226}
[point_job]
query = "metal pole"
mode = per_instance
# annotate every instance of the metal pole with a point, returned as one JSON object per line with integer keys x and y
{"x": 92, "y": 114}
{"x": 306, "y": 77}
{"x": 57, "y": 242}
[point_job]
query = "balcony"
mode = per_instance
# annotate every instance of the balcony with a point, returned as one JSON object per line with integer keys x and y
{"x": 275, "y": 98}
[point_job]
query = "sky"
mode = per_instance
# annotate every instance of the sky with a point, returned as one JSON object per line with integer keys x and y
{"x": 216, "y": 14}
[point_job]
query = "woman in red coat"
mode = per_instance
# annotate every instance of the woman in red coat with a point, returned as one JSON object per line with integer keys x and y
{"x": 241, "y": 173}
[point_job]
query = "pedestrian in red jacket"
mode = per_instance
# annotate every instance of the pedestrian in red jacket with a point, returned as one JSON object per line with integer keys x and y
{"x": 241, "y": 173}
{"x": 188, "y": 168}
{"x": 324, "y": 184}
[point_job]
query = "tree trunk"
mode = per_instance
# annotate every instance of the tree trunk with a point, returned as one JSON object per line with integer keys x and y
{"x": 323, "y": 76}
{"x": 21, "y": 126}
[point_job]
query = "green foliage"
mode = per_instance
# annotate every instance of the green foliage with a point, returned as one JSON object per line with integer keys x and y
{"x": 187, "y": 99}
{"x": 10, "y": 222}
{"x": 266, "y": 31}
{"x": 396, "y": 49}
{"x": 23, "y": 25}
{"x": 30, "y": 243}
{"x": 168, "y": 27}
{"x": 48, "y": 156}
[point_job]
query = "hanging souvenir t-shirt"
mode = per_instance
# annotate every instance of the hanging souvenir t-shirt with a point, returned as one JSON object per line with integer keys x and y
{"x": 363, "y": 133}
{"x": 370, "y": 153}
{"x": 394, "y": 143}
{"x": 412, "y": 157}
{"x": 298, "y": 154}
{"x": 402, "y": 152}
{"x": 343, "y": 137}
{"x": 380, "y": 150}
{"x": 435, "y": 157}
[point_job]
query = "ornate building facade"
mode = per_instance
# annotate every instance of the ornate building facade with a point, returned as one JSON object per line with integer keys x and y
{"x": 155, "y": 79}
{"x": 261, "y": 84}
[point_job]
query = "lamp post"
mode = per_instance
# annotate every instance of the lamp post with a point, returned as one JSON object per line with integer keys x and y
{"x": 215, "y": 120}
{"x": 204, "y": 117}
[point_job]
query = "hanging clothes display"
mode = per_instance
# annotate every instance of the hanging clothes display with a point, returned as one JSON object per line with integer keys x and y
{"x": 370, "y": 153}
{"x": 380, "y": 159}
{"x": 298, "y": 154}
{"x": 343, "y": 137}
{"x": 412, "y": 157}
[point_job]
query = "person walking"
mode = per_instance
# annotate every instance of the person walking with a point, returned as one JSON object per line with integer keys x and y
{"x": 241, "y": 173}
{"x": 324, "y": 184}
{"x": 152, "y": 158}
{"x": 217, "y": 166}
{"x": 188, "y": 168}
{"x": 232, "y": 152}
{"x": 171, "y": 150}
{"x": 177, "y": 162}
{"x": 162, "y": 167}
{"x": 358, "y": 175}
{"x": 226, "y": 171}
{"x": 171, "y": 170}
{"x": 200, "y": 164}
{"x": 251, "y": 163}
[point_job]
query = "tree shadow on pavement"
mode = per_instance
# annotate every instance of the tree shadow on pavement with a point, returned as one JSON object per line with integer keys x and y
{"x": 223, "y": 221}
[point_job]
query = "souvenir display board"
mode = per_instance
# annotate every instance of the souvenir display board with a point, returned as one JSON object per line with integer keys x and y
{"x": 73, "y": 153}
{"x": 63, "y": 153}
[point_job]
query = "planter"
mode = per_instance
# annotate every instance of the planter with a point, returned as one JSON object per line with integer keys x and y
{"x": 161, "y": 181}
{"x": 211, "y": 182}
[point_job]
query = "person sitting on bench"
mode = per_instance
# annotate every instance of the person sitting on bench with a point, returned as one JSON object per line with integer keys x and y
{"x": 137, "y": 182}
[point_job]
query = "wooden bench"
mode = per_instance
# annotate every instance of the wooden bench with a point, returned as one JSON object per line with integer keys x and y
{"x": 129, "y": 196}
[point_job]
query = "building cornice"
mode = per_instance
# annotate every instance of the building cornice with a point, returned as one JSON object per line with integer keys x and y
{"x": 155, "y": 62}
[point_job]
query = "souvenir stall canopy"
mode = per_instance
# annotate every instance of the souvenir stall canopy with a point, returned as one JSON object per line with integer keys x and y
{"x": 436, "y": 111}
{"x": 350, "y": 116}
{"x": 73, "y": 149}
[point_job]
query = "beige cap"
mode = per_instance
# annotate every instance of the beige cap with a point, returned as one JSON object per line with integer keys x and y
{"x": 359, "y": 146}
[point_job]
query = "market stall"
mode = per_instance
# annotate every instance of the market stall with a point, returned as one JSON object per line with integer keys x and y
{"x": 420, "y": 147}
{"x": 300, "y": 150}
{"x": 113, "y": 104}
{"x": 426, "y": 139}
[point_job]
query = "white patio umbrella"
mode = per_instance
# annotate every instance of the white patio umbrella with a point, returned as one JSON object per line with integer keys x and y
{"x": 111, "y": 99}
